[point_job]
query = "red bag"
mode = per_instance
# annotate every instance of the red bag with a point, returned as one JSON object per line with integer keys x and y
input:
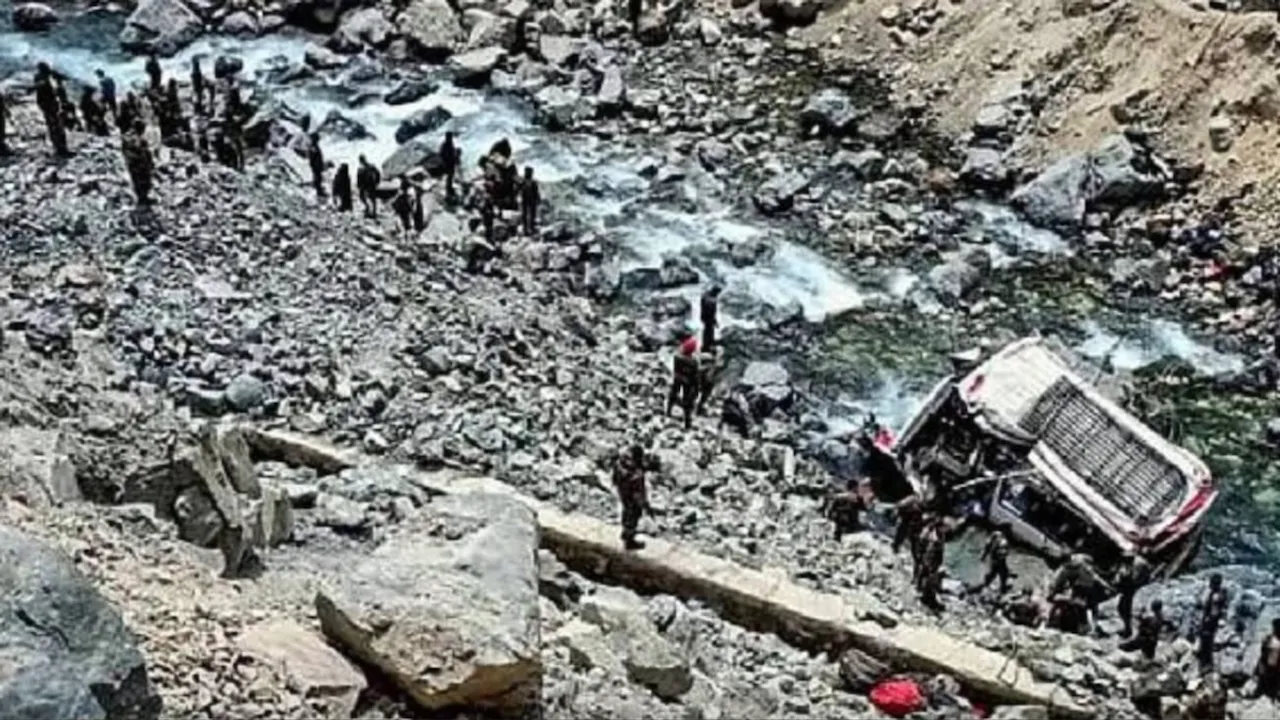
{"x": 897, "y": 698}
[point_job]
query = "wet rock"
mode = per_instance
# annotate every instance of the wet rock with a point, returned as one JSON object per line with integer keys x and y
{"x": 422, "y": 122}
{"x": 34, "y": 17}
{"x": 560, "y": 108}
{"x": 471, "y": 69}
{"x": 410, "y": 90}
{"x": 613, "y": 91}
{"x": 432, "y": 28}
{"x": 447, "y": 607}
{"x": 1058, "y": 196}
{"x": 68, "y": 653}
{"x": 245, "y": 393}
{"x": 777, "y": 195}
{"x": 559, "y": 50}
{"x": 322, "y": 58}
{"x": 984, "y": 167}
{"x": 961, "y": 274}
{"x": 160, "y": 26}
{"x": 38, "y": 470}
{"x": 240, "y": 24}
{"x": 337, "y": 125}
{"x": 420, "y": 152}
{"x": 767, "y": 386}
{"x": 788, "y": 13}
{"x": 830, "y": 111}
{"x": 363, "y": 27}
{"x": 226, "y": 66}
{"x": 309, "y": 665}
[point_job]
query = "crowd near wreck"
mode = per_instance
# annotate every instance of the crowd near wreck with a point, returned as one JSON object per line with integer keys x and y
{"x": 511, "y": 449}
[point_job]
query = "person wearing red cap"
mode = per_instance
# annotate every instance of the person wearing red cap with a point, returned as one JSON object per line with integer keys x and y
{"x": 684, "y": 378}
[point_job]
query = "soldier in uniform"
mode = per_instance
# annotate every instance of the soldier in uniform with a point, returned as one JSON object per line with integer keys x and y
{"x": 70, "y": 119}
{"x": 629, "y": 479}
{"x": 1070, "y": 593}
{"x": 235, "y": 141}
{"x": 449, "y": 158}
{"x": 367, "y": 179}
{"x": 933, "y": 543}
{"x": 1267, "y": 673}
{"x": 402, "y": 205}
{"x": 315, "y": 160}
{"x": 1132, "y": 577}
{"x": 138, "y": 162}
{"x": 996, "y": 553}
{"x": 1147, "y": 639}
{"x": 684, "y": 379}
{"x": 530, "y": 196}
{"x": 844, "y": 509}
{"x": 47, "y": 101}
{"x": 197, "y": 85}
{"x": 94, "y": 119}
{"x": 153, "y": 73}
{"x": 736, "y": 413}
{"x": 708, "y": 310}
{"x": 342, "y": 187}
{"x": 419, "y": 210}
{"x": 128, "y": 113}
{"x": 107, "y": 88}
{"x": 910, "y": 513}
{"x": 4, "y": 123}
{"x": 708, "y": 364}
{"x": 1212, "y": 611}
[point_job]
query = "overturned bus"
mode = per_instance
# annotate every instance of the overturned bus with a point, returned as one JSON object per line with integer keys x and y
{"x": 1021, "y": 440}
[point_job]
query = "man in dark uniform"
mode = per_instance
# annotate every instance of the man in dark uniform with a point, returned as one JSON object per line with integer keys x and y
{"x": 235, "y": 141}
{"x": 488, "y": 214}
{"x": 708, "y": 310}
{"x": 708, "y": 367}
{"x": 47, "y": 101}
{"x": 450, "y": 158}
{"x": 529, "y": 199}
{"x": 138, "y": 162}
{"x": 197, "y": 85}
{"x": 367, "y": 179}
{"x": 910, "y": 512}
{"x": 315, "y": 160}
{"x": 684, "y": 380}
{"x": 1150, "y": 622}
{"x": 342, "y": 187}
{"x": 933, "y": 543}
{"x": 4, "y": 123}
{"x": 736, "y": 413}
{"x": 153, "y": 73}
{"x": 70, "y": 120}
{"x": 1212, "y": 612}
{"x": 1132, "y": 577}
{"x": 107, "y": 88}
{"x": 1069, "y": 594}
{"x": 844, "y": 509}
{"x": 1267, "y": 673}
{"x": 629, "y": 479}
{"x": 402, "y": 205}
{"x": 95, "y": 120}
{"x": 419, "y": 210}
{"x": 128, "y": 113}
{"x": 996, "y": 553}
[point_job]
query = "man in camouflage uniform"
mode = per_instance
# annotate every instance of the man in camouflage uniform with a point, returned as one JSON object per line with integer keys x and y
{"x": 996, "y": 553}
{"x": 1070, "y": 592}
{"x": 1132, "y": 577}
{"x": 138, "y": 162}
{"x": 933, "y": 543}
{"x": 1212, "y": 612}
{"x": 629, "y": 479}
{"x": 1150, "y": 623}
{"x": 910, "y": 512}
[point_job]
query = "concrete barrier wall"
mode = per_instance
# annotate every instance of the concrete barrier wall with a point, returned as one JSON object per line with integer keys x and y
{"x": 764, "y": 601}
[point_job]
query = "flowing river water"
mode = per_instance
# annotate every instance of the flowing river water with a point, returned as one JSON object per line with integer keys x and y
{"x": 892, "y": 363}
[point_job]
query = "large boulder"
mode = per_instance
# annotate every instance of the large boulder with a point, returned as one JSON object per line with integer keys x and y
{"x": 38, "y": 469}
{"x": 419, "y": 152}
{"x": 160, "y": 26}
{"x": 307, "y": 663}
{"x": 421, "y": 123}
{"x": 777, "y": 194}
{"x": 831, "y": 111}
{"x": 432, "y": 28}
{"x": 960, "y": 274}
{"x": 67, "y": 652}
{"x": 362, "y": 27}
{"x": 648, "y": 658}
{"x": 447, "y": 607}
{"x": 1058, "y": 196}
{"x": 34, "y": 17}
{"x": 472, "y": 69}
{"x": 1117, "y": 173}
{"x": 767, "y": 386}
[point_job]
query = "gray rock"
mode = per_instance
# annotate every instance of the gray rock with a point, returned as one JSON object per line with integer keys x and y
{"x": 1122, "y": 173}
{"x": 1221, "y": 132}
{"x": 364, "y": 26}
{"x": 337, "y": 125}
{"x": 777, "y": 195}
{"x": 961, "y": 274}
{"x": 68, "y": 653}
{"x": 561, "y": 108}
{"x": 831, "y": 111}
{"x": 709, "y": 31}
{"x": 674, "y": 272}
{"x": 34, "y": 17}
{"x": 1116, "y": 173}
{"x": 432, "y": 28}
{"x": 860, "y": 672}
{"x": 410, "y": 90}
{"x": 38, "y": 470}
{"x": 322, "y": 58}
{"x": 613, "y": 91}
{"x": 239, "y": 23}
{"x": 447, "y": 607}
{"x": 310, "y": 666}
{"x": 788, "y": 13}
{"x": 654, "y": 27}
{"x": 245, "y": 393}
{"x": 1058, "y": 196}
{"x": 160, "y": 26}
{"x": 471, "y": 69}
{"x": 767, "y": 386}
{"x": 559, "y": 50}
{"x": 984, "y": 167}
{"x": 992, "y": 120}
{"x": 419, "y": 152}
{"x": 487, "y": 29}
{"x": 226, "y": 66}
{"x": 422, "y": 122}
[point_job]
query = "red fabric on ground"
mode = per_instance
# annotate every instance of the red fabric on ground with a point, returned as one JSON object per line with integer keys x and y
{"x": 897, "y": 698}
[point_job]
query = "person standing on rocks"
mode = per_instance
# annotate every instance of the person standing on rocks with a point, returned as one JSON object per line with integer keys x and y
{"x": 1132, "y": 578}
{"x": 234, "y": 138}
{"x": 933, "y": 544}
{"x": 450, "y": 158}
{"x": 315, "y": 160}
{"x": 153, "y": 73}
{"x": 342, "y": 187}
{"x": 47, "y": 101}
{"x": 708, "y": 310}
{"x": 94, "y": 119}
{"x": 635, "y": 8}
{"x": 138, "y": 162}
{"x": 844, "y": 509}
{"x": 402, "y": 205}
{"x": 910, "y": 514}
{"x": 129, "y": 113}
{"x": 996, "y": 553}
{"x": 107, "y": 88}
{"x": 4, "y": 124}
{"x": 419, "y": 209}
{"x": 488, "y": 215}
{"x": 633, "y": 492}
{"x": 70, "y": 119}
{"x": 367, "y": 180}
{"x": 708, "y": 369}
{"x": 1069, "y": 595}
{"x": 684, "y": 379}
{"x": 1150, "y": 622}
{"x": 1267, "y": 673}
{"x": 530, "y": 197}
{"x": 197, "y": 85}
{"x": 1212, "y": 611}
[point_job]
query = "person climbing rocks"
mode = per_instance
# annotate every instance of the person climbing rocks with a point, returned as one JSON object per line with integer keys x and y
{"x": 153, "y": 73}
{"x": 95, "y": 119}
{"x": 315, "y": 161}
{"x": 996, "y": 554}
{"x": 197, "y": 85}
{"x": 844, "y": 509}
{"x": 629, "y": 480}
{"x": 450, "y": 158}
{"x": 1266, "y": 674}
{"x": 684, "y": 378}
{"x": 367, "y": 181}
{"x": 708, "y": 311}
{"x": 1213, "y": 610}
{"x": 1133, "y": 576}
{"x": 402, "y": 205}
{"x": 1070, "y": 592}
{"x": 736, "y": 413}
{"x": 107, "y": 90}
{"x": 70, "y": 119}
{"x": 138, "y": 162}
{"x": 47, "y": 102}
{"x": 342, "y": 187}
{"x": 1150, "y": 622}
{"x": 530, "y": 197}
